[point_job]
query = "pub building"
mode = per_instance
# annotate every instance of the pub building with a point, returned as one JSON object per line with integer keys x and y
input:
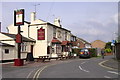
{"x": 46, "y": 39}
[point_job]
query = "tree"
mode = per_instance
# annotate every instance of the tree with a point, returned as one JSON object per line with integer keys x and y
{"x": 108, "y": 45}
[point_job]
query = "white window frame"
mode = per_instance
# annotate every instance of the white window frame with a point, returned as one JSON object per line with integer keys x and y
{"x": 24, "y": 47}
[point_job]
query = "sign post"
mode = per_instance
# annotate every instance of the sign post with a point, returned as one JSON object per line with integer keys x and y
{"x": 19, "y": 20}
{"x": 113, "y": 48}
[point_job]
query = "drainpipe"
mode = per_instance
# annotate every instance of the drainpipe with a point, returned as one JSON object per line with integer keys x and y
{"x": 28, "y": 30}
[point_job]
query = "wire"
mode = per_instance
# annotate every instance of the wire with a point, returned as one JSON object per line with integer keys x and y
{"x": 50, "y": 10}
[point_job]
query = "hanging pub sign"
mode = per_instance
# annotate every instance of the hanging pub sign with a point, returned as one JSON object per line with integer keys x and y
{"x": 41, "y": 34}
{"x": 19, "y": 17}
{"x": 18, "y": 38}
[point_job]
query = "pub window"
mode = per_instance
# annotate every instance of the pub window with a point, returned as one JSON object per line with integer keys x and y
{"x": 54, "y": 32}
{"x": 23, "y": 47}
{"x": 53, "y": 50}
{"x": 65, "y": 35}
{"x": 6, "y": 51}
{"x": 59, "y": 34}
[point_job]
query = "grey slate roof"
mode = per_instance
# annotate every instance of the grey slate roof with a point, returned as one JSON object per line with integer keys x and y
{"x": 5, "y": 44}
{"x": 23, "y": 38}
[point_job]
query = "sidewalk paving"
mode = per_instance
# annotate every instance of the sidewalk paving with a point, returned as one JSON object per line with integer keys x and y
{"x": 112, "y": 63}
{"x": 35, "y": 63}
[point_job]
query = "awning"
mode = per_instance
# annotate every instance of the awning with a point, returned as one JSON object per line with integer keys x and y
{"x": 55, "y": 41}
{"x": 66, "y": 43}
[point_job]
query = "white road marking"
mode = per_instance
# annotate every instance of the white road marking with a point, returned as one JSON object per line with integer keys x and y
{"x": 37, "y": 74}
{"x": 40, "y": 72}
{"x": 83, "y": 69}
{"x": 113, "y": 72}
{"x": 29, "y": 74}
{"x": 106, "y": 66}
{"x": 107, "y": 77}
{"x": 82, "y": 62}
{"x": 34, "y": 77}
{"x": 84, "y": 59}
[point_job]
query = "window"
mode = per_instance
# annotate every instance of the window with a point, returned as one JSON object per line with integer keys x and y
{"x": 6, "y": 51}
{"x": 23, "y": 47}
{"x": 59, "y": 34}
{"x": 78, "y": 44}
{"x": 53, "y": 50}
{"x": 65, "y": 35}
{"x": 54, "y": 32}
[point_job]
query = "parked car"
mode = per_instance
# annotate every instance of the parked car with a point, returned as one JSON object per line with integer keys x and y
{"x": 84, "y": 53}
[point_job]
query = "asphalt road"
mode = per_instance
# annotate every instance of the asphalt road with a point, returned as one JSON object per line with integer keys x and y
{"x": 71, "y": 68}
{"x": 82, "y": 68}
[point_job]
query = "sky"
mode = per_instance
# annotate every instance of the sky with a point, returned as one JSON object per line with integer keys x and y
{"x": 88, "y": 20}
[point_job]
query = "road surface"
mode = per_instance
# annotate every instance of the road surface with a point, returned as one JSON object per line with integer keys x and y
{"x": 71, "y": 68}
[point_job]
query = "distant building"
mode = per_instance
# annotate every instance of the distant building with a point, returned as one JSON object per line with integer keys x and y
{"x": 98, "y": 44}
{"x": 79, "y": 42}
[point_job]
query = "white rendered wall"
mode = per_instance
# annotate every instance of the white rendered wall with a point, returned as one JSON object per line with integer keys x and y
{"x": 40, "y": 48}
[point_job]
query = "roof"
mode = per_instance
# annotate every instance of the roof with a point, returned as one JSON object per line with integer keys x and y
{"x": 84, "y": 41}
{"x": 56, "y": 41}
{"x": 98, "y": 41}
{"x": 98, "y": 44}
{"x": 58, "y": 27}
{"x": 23, "y": 38}
{"x": 47, "y": 23}
{"x": 5, "y": 44}
{"x": 73, "y": 35}
{"x": 54, "y": 25}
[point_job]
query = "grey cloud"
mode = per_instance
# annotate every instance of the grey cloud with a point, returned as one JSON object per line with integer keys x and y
{"x": 93, "y": 29}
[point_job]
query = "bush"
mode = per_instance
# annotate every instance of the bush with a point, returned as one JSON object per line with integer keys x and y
{"x": 93, "y": 52}
{"x": 108, "y": 50}
{"x": 76, "y": 51}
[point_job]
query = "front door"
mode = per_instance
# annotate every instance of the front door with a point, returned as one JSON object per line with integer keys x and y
{"x": 32, "y": 49}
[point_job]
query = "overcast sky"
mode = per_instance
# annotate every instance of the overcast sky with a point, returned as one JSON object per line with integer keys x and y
{"x": 87, "y": 20}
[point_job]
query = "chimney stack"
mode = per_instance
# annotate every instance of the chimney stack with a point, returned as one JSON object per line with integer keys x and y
{"x": 33, "y": 16}
{"x": 57, "y": 22}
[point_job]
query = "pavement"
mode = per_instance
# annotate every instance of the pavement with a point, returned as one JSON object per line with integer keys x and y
{"x": 111, "y": 63}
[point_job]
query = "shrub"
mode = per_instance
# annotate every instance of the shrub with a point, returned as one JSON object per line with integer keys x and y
{"x": 108, "y": 50}
{"x": 93, "y": 52}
